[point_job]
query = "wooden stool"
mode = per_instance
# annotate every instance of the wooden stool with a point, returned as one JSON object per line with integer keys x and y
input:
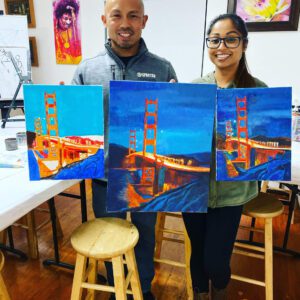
{"x": 106, "y": 239}
{"x": 264, "y": 206}
{"x": 3, "y": 291}
{"x": 29, "y": 224}
{"x": 160, "y": 230}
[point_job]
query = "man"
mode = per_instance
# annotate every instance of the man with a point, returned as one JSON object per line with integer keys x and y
{"x": 126, "y": 57}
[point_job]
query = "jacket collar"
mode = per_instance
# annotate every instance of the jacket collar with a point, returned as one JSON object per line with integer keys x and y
{"x": 142, "y": 50}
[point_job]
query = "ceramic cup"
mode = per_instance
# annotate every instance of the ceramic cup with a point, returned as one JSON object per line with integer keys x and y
{"x": 11, "y": 144}
{"x": 21, "y": 139}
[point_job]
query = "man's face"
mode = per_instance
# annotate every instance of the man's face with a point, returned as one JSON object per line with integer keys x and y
{"x": 65, "y": 21}
{"x": 124, "y": 20}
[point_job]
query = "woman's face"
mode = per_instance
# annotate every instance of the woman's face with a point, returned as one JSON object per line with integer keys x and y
{"x": 223, "y": 57}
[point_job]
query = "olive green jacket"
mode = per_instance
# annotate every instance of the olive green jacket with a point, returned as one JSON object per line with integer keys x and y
{"x": 228, "y": 193}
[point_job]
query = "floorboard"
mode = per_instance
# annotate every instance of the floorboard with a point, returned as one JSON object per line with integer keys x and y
{"x": 30, "y": 280}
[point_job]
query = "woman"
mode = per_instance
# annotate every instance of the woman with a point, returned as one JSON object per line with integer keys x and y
{"x": 213, "y": 234}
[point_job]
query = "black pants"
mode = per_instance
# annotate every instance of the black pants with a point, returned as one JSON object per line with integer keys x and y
{"x": 212, "y": 238}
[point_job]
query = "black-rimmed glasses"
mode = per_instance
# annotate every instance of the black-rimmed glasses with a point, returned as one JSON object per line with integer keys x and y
{"x": 229, "y": 42}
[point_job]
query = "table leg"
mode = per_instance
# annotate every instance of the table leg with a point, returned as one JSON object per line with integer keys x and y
{"x": 56, "y": 261}
{"x": 11, "y": 248}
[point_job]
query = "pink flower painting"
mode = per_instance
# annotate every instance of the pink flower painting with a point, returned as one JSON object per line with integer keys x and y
{"x": 264, "y": 10}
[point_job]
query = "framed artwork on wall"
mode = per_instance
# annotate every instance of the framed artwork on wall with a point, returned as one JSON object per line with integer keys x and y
{"x": 21, "y": 7}
{"x": 267, "y": 15}
{"x": 67, "y": 31}
{"x": 33, "y": 52}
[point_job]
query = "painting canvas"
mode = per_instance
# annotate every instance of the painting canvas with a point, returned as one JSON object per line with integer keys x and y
{"x": 67, "y": 31}
{"x": 64, "y": 127}
{"x": 160, "y": 138}
{"x": 265, "y": 11}
{"x": 268, "y": 15}
{"x": 254, "y": 134}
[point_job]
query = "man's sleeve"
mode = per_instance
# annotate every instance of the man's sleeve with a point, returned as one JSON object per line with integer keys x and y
{"x": 172, "y": 74}
{"x": 78, "y": 77}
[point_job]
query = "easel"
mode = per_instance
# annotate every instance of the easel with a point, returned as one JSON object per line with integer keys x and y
{"x": 22, "y": 79}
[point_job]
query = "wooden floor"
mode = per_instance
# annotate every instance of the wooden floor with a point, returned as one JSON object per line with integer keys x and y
{"x": 30, "y": 280}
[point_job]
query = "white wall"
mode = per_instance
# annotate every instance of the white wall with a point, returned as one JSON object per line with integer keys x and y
{"x": 272, "y": 56}
{"x": 177, "y": 35}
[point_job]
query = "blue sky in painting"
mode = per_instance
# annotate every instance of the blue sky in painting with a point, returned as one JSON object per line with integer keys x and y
{"x": 79, "y": 108}
{"x": 185, "y": 114}
{"x": 269, "y": 110}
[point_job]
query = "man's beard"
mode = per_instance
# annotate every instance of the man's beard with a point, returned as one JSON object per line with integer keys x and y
{"x": 124, "y": 45}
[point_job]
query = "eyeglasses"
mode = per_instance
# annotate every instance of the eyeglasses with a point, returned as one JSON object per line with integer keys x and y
{"x": 229, "y": 42}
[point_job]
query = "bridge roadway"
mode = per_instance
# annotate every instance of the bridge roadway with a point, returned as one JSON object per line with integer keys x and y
{"x": 72, "y": 145}
{"x": 255, "y": 144}
{"x": 167, "y": 162}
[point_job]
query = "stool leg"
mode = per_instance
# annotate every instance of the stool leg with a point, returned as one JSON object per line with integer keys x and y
{"x": 160, "y": 224}
{"x": 135, "y": 279}
{"x": 92, "y": 278}
{"x": 3, "y": 291}
{"x": 119, "y": 277}
{"x": 3, "y": 237}
{"x": 269, "y": 259}
{"x": 78, "y": 277}
{"x": 187, "y": 251}
{"x": 32, "y": 235}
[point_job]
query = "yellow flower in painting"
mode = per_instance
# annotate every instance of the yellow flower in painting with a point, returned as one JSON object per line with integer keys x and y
{"x": 264, "y": 10}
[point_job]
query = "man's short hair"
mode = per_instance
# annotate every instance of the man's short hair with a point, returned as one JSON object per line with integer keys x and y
{"x": 141, "y": 1}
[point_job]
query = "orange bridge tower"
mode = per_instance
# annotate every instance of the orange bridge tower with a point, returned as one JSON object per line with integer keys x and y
{"x": 132, "y": 141}
{"x": 150, "y": 132}
{"x": 242, "y": 132}
{"x": 51, "y": 114}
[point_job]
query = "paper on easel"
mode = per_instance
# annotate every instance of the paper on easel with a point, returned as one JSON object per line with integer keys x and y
{"x": 14, "y": 39}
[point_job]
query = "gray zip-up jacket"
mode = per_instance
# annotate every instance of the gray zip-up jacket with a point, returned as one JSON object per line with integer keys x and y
{"x": 107, "y": 66}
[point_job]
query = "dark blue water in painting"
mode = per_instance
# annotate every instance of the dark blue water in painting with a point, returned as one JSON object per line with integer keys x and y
{"x": 275, "y": 169}
{"x": 191, "y": 197}
{"x": 91, "y": 167}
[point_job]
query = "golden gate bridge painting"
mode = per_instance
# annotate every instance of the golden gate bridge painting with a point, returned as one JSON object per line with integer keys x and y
{"x": 159, "y": 146}
{"x": 64, "y": 131}
{"x": 254, "y": 134}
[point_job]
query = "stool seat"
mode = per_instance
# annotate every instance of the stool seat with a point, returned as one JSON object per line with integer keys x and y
{"x": 104, "y": 238}
{"x": 263, "y": 206}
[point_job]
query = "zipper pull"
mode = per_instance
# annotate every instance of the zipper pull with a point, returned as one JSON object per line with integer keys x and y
{"x": 123, "y": 73}
{"x": 113, "y": 71}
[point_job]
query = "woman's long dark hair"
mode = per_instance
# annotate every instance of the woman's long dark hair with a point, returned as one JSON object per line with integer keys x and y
{"x": 243, "y": 78}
